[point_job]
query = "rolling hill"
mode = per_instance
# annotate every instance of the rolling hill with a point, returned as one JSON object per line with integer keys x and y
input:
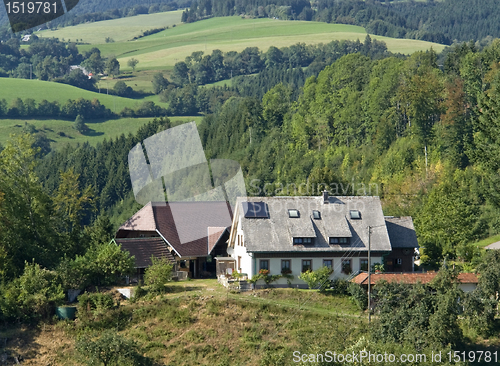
{"x": 61, "y": 132}
{"x": 39, "y": 90}
{"x": 120, "y": 30}
{"x": 162, "y": 50}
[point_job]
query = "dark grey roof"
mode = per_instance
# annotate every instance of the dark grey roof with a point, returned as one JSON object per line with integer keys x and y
{"x": 401, "y": 232}
{"x": 275, "y": 234}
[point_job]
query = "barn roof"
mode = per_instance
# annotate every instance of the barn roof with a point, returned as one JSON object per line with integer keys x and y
{"x": 408, "y": 278}
{"x": 145, "y": 248}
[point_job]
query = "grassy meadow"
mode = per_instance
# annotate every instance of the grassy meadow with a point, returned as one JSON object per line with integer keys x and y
{"x": 39, "y": 90}
{"x": 120, "y": 30}
{"x": 61, "y": 132}
{"x": 162, "y": 50}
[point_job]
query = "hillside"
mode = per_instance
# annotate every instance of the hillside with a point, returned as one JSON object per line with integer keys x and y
{"x": 98, "y": 6}
{"x": 162, "y": 50}
{"x": 120, "y": 30}
{"x": 438, "y": 21}
{"x": 39, "y": 90}
{"x": 61, "y": 132}
{"x": 200, "y": 323}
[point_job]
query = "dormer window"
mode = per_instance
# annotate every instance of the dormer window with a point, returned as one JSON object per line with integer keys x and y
{"x": 293, "y": 213}
{"x": 339, "y": 240}
{"x": 355, "y": 214}
{"x": 316, "y": 215}
{"x": 305, "y": 241}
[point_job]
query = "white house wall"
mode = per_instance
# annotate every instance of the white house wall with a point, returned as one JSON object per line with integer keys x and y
{"x": 239, "y": 250}
{"x": 467, "y": 287}
{"x": 296, "y": 267}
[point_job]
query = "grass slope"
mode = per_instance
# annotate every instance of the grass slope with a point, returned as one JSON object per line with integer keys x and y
{"x": 98, "y": 129}
{"x": 199, "y": 323}
{"x": 120, "y": 30}
{"x": 38, "y": 90}
{"x": 162, "y": 50}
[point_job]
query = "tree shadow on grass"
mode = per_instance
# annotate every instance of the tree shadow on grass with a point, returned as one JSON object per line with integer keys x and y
{"x": 92, "y": 133}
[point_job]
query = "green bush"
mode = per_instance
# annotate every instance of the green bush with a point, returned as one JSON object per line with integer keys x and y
{"x": 31, "y": 297}
{"x": 358, "y": 295}
{"x": 318, "y": 279}
{"x": 339, "y": 286}
{"x": 158, "y": 274}
{"x": 266, "y": 277}
{"x": 91, "y": 306}
{"x": 101, "y": 265}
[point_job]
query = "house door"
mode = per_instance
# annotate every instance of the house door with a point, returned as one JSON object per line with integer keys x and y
{"x": 192, "y": 267}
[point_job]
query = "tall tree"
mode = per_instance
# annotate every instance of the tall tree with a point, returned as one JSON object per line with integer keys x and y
{"x": 27, "y": 230}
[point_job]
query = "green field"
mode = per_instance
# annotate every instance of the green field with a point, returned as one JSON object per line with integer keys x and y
{"x": 38, "y": 90}
{"x": 120, "y": 30}
{"x": 138, "y": 80}
{"x": 98, "y": 129}
{"x": 162, "y": 50}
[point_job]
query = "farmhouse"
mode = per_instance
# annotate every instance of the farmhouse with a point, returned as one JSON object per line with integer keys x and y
{"x": 294, "y": 234}
{"x": 284, "y": 235}
{"x": 156, "y": 228}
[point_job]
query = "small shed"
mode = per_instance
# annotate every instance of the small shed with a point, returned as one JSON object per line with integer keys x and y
{"x": 223, "y": 263}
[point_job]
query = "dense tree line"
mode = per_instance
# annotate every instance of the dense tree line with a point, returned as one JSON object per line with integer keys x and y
{"x": 88, "y": 109}
{"x": 434, "y": 21}
{"x": 282, "y": 9}
{"x": 43, "y": 59}
{"x": 205, "y": 69}
{"x": 253, "y": 72}
{"x": 49, "y": 59}
{"x": 30, "y": 108}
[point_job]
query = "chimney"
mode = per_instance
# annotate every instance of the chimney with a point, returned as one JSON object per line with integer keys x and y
{"x": 325, "y": 197}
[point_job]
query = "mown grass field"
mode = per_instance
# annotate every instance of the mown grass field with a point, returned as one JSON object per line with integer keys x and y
{"x": 162, "y": 50}
{"x": 61, "y": 132}
{"x": 120, "y": 30}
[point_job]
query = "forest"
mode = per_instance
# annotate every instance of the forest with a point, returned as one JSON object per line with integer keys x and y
{"x": 435, "y": 21}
